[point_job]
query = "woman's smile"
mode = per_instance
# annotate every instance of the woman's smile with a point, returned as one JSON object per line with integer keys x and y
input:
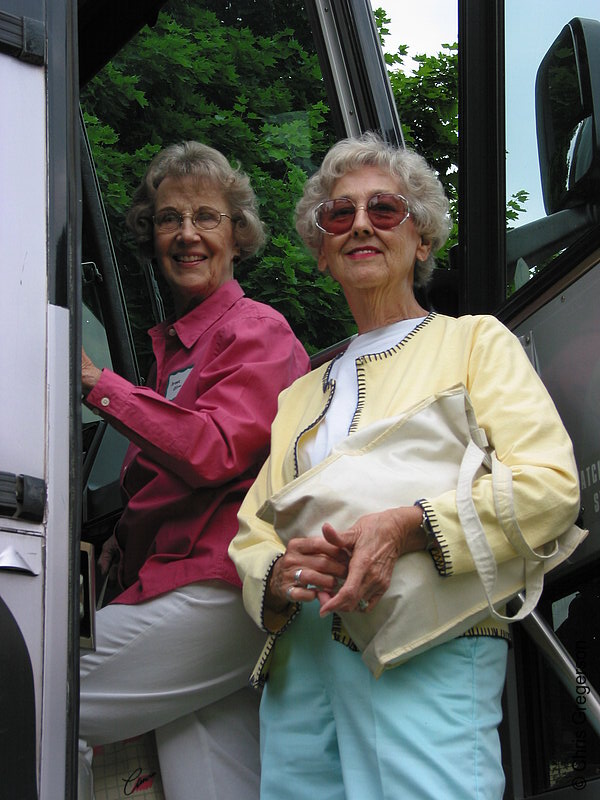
{"x": 191, "y": 258}
{"x": 363, "y": 252}
{"x": 190, "y": 261}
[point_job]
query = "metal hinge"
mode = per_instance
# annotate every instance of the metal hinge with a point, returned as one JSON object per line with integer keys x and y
{"x": 23, "y": 37}
{"x": 22, "y": 497}
{"x": 90, "y": 273}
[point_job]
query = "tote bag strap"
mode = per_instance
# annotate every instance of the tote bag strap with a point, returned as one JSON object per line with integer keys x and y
{"x": 481, "y": 552}
{"x": 505, "y": 511}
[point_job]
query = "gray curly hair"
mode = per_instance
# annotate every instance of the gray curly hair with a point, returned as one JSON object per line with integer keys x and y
{"x": 194, "y": 158}
{"x": 429, "y": 209}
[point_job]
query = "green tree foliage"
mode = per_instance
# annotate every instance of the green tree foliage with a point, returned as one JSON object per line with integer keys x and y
{"x": 515, "y": 206}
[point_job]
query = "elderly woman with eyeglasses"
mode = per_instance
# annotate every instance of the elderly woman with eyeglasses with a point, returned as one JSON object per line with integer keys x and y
{"x": 175, "y": 647}
{"x": 373, "y": 216}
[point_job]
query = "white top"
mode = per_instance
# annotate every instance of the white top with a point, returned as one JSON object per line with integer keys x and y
{"x": 341, "y": 410}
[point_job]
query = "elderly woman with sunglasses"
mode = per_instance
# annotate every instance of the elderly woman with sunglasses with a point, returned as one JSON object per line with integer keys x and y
{"x": 175, "y": 647}
{"x": 373, "y": 216}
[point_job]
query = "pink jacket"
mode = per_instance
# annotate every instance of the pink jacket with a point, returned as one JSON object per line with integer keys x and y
{"x": 197, "y": 438}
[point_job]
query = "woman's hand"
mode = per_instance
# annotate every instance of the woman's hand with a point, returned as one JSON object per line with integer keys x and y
{"x": 110, "y": 555}
{"x": 90, "y": 374}
{"x": 312, "y": 562}
{"x": 374, "y": 543}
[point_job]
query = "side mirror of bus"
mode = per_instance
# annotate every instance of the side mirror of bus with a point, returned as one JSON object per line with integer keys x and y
{"x": 567, "y": 99}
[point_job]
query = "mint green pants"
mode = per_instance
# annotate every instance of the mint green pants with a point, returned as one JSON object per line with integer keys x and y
{"x": 423, "y": 731}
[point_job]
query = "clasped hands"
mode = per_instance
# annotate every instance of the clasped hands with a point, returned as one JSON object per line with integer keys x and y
{"x": 348, "y": 570}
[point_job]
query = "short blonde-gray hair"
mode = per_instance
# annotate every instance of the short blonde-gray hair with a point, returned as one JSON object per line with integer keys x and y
{"x": 194, "y": 158}
{"x": 429, "y": 209}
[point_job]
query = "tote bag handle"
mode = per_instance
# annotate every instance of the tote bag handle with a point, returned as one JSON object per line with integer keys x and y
{"x": 481, "y": 552}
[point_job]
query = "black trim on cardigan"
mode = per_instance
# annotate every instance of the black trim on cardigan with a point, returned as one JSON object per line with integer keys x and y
{"x": 392, "y": 351}
{"x": 328, "y": 385}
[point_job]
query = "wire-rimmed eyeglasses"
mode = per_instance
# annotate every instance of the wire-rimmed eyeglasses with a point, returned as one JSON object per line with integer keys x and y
{"x": 205, "y": 218}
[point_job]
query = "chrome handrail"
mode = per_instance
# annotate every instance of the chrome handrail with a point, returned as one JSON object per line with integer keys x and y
{"x": 566, "y": 670}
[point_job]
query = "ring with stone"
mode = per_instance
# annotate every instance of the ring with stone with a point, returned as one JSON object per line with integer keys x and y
{"x": 363, "y": 604}
{"x": 297, "y": 575}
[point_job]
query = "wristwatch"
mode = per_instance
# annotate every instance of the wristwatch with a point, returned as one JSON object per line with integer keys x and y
{"x": 431, "y": 541}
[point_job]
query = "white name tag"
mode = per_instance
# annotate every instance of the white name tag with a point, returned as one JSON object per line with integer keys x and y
{"x": 176, "y": 381}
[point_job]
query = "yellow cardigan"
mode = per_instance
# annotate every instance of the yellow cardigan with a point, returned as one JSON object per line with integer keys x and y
{"x": 510, "y": 403}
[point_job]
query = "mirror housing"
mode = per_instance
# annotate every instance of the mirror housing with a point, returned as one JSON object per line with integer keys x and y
{"x": 567, "y": 100}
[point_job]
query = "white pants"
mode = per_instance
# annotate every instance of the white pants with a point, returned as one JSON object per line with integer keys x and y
{"x": 177, "y": 664}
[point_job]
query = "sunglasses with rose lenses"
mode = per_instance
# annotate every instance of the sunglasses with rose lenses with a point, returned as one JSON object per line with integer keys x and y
{"x": 385, "y": 211}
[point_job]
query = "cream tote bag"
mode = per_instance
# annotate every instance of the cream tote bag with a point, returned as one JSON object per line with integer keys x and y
{"x": 432, "y": 448}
